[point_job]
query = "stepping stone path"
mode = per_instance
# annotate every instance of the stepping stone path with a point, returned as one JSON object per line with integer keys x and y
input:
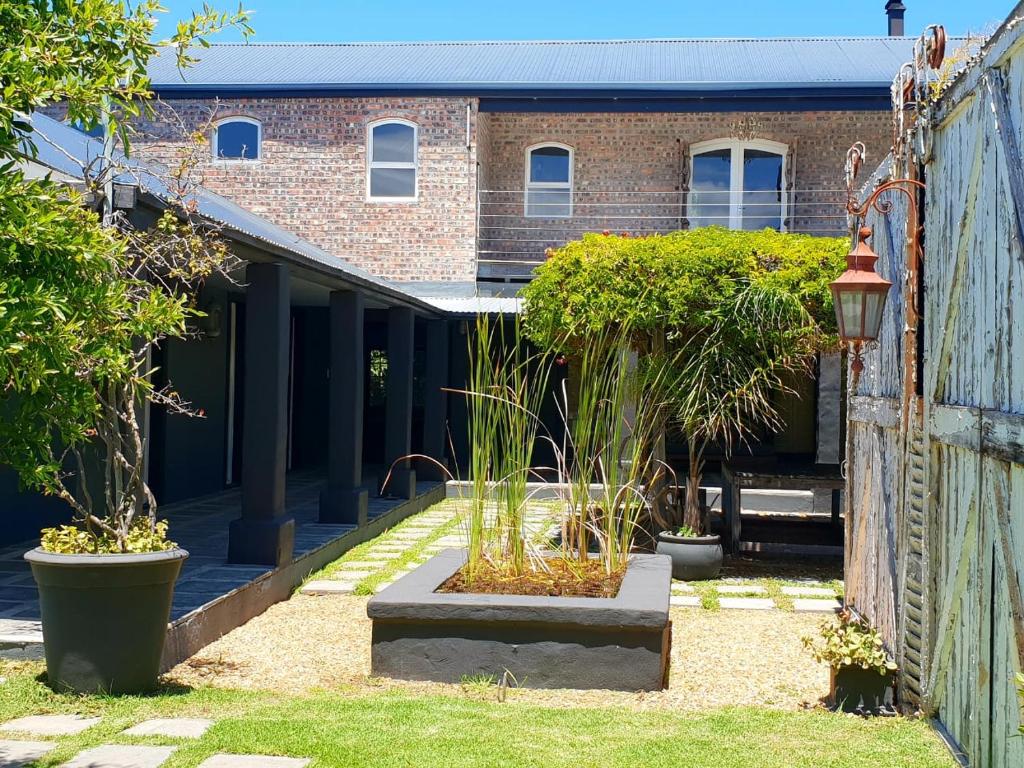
{"x": 120, "y": 756}
{"x": 419, "y": 533}
{"x": 50, "y": 725}
{"x": 19, "y": 754}
{"x": 806, "y": 605}
{"x": 740, "y": 589}
{"x": 15, "y": 754}
{"x": 747, "y": 603}
{"x": 172, "y": 727}
{"x": 685, "y": 601}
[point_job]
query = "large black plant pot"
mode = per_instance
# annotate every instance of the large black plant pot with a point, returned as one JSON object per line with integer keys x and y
{"x": 105, "y": 618}
{"x": 855, "y": 689}
{"x": 694, "y": 558}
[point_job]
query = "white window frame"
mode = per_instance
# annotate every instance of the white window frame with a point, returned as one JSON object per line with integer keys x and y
{"x": 237, "y": 119}
{"x": 540, "y": 186}
{"x": 414, "y": 165}
{"x": 736, "y": 147}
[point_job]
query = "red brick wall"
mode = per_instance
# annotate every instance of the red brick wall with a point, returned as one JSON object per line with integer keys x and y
{"x": 616, "y": 154}
{"x": 311, "y": 178}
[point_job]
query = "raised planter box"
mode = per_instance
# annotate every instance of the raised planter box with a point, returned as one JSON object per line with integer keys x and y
{"x": 620, "y": 643}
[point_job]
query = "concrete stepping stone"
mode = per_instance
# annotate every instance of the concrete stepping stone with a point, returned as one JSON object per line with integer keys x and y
{"x": 808, "y": 592}
{"x": 253, "y": 761}
{"x": 328, "y": 587}
{"x": 17, "y": 754}
{"x": 361, "y": 565}
{"x": 120, "y": 756}
{"x": 687, "y": 601}
{"x": 681, "y": 586}
{"x": 810, "y": 605}
{"x": 173, "y": 727}
{"x": 50, "y": 725}
{"x": 740, "y": 589}
{"x": 388, "y": 554}
{"x": 347, "y": 575}
{"x": 747, "y": 603}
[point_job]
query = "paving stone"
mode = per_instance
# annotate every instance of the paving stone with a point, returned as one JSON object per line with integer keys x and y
{"x": 810, "y": 605}
{"x": 253, "y": 761}
{"x": 808, "y": 592}
{"x": 16, "y": 754}
{"x": 174, "y": 727}
{"x": 328, "y": 587}
{"x": 688, "y": 601}
{"x": 120, "y": 756}
{"x": 360, "y": 565}
{"x": 347, "y": 575}
{"x": 50, "y": 725}
{"x": 747, "y": 603}
{"x": 18, "y": 631}
{"x": 740, "y": 589}
{"x": 681, "y": 586}
{"x": 375, "y": 554}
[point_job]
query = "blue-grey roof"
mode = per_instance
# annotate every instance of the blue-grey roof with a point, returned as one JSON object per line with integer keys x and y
{"x": 69, "y": 151}
{"x": 587, "y": 66}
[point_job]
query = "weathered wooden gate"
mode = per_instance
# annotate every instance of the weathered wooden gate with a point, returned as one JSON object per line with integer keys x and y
{"x": 936, "y": 473}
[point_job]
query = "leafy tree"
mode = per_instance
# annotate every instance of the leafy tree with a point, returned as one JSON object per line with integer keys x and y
{"x": 728, "y": 312}
{"x": 82, "y": 303}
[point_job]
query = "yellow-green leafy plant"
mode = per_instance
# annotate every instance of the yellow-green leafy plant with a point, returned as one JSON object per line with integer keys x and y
{"x": 141, "y": 537}
{"x": 850, "y": 643}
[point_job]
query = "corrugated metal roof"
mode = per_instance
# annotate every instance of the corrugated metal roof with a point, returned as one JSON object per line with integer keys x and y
{"x": 477, "y": 305}
{"x": 655, "y": 65}
{"x": 68, "y": 151}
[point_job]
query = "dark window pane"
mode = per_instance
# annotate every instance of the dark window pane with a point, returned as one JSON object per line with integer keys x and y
{"x": 238, "y": 141}
{"x": 709, "y": 189}
{"x": 762, "y": 190}
{"x": 392, "y": 182}
{"x": 549, "y": 164}
{"x": 394, "y": 143}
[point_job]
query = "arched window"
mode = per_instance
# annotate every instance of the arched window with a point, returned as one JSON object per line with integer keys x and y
{"x": 238, "y": 138}
{"x": 738, "y": 184}
{"x": 549, "y": 181}
{"x": 391, "y": 170}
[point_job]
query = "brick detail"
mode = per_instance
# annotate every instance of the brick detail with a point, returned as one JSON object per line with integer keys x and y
{"x": 312, "y": 179}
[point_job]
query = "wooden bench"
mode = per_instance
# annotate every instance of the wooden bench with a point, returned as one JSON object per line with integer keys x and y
{"x": 810, "y": 478}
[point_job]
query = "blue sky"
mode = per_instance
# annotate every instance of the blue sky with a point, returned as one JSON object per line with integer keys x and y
{"x": 342, "y": 20}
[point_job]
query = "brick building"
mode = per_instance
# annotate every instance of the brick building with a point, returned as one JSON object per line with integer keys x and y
{"x": 488, "y": 153}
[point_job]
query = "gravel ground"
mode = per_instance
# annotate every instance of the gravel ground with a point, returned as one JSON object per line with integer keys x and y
{"x": 718, "y": 659}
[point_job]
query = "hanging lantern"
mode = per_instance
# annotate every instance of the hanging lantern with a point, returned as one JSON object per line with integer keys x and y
{"x": 859, "y": 296}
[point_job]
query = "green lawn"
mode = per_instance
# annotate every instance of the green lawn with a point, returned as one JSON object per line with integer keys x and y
{"x": 395, "y": 730}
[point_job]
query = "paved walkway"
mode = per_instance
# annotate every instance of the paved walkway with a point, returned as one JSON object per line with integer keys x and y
{"x": 375, "y": 565}
{"x": 35, "y": 736}
{"x": 201, "y": 527}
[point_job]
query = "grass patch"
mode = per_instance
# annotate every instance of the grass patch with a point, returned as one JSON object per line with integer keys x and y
{"x": 396, "y": 729}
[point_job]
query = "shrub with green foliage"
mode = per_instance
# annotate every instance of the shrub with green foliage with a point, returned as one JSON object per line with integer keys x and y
{"x": 730, "y": 312}
{"x": 850, "y": 643}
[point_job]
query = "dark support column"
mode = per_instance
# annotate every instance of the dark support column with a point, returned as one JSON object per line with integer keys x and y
{"x": 398, "y": 407}
{"x": 458, "y": 423}
{"x": 344, "y": 499}
{"x": 435, "y": 399}
{"x": 264, "y": 534}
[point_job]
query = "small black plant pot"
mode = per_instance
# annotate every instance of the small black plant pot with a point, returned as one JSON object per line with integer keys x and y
{"x": 693, "y": 558}
{"x": 105, "y": 618}
{"x": 855, "y": 689}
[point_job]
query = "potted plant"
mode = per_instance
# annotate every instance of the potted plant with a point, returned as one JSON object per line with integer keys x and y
{"x": 861, "y": 678}
{"x": 694, "y": 557}
{"x": 86, "y": 298}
